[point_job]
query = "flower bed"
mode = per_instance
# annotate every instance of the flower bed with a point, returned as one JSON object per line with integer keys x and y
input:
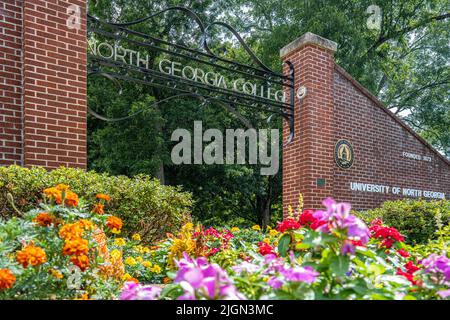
{"x": 66, "y": 249}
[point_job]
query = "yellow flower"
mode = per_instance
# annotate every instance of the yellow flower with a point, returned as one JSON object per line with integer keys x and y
{"x": 128, "y": 277}
{"x": 269, "y": 228}
{"x": 235, "y": 230}
{"x": 141, "y": 249}
{"x": 156, "y": 269}
{"x": 136, "y": 237}
{"x": 62, "y": 187}
{"x": 147, "y": 264}
{"x": 116, "y": 254}
{"x": 188, "y": 227}
{"x": 139, "y": 259}
{"x": 84, "y": 296}
{"x": 56, "y": 274}
{"x": 116, "y": 231}
{"x": 130, "y": 261}
{"x": 273, "y": 232}
{"x": 256, "y": 227}
{"x": 120, "y": 242}
{"x": 266, "y": 240}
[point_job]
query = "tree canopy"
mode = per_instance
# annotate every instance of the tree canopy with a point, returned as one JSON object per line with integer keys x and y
{"x": 404, "y": 62}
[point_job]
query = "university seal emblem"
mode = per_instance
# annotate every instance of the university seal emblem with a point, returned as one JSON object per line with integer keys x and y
{"x": 343, "y": 154}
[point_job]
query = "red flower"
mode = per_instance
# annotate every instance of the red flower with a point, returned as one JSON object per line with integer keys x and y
{"x": 306, "y": 218}
{"x": 388, "y": 235}
{"x": 316, "y": 224}
{"x": 403, "y": 253}
{"x": 357, "y": 243}
{"x": 376, "y": 222}
{"x": 411, "y": 268}
{"x": 264, "y": 248}
{"x": 288, "y": 224}
{"x": 407, "y": 275}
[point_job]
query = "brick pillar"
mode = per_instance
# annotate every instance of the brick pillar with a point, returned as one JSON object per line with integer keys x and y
{"x": 53, "y": 84}
{"x": 308, "y": 161}
{"x": 11, "y": 82}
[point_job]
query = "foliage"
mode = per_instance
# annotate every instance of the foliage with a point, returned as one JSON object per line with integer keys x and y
{"x": 418, "y": 220}
{"x": 70, "y": 250}
{"x": 438, "y": 245}
{"x": 66, "y": 248}
{"x": 327, "y": 254}
{"x": 144, "y": 204}
{"x": 58, "y": 252}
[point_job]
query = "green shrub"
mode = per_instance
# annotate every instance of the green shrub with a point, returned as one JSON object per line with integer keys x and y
{"x": 146, "y": 206}
{"x": 415, "y": 219}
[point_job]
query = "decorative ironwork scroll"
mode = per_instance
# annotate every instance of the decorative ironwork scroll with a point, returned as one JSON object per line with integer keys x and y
{"x": 118, "y": 52}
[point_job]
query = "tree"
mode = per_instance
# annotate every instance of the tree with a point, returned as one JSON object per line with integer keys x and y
{"x": 404, "y": 63}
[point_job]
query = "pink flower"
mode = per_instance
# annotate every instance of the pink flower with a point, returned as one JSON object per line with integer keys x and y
{"x": 444, "y": 293}
{"x": 300, "y": 274}
{"x": 437, "y": 265}
{"x": 201, "y": 280}
{"x": 338, "y": 217}
{"x": 134, "y": 291}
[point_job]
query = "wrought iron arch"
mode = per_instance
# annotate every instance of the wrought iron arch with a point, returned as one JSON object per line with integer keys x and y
{"x": 115, "y": 67}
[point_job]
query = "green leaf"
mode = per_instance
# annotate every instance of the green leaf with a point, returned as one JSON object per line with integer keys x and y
{"x": 377, "y": 269}
{"x": 366, "y": 252}
{"x": 283, "y": 244}
{"x": 339, "y": 265}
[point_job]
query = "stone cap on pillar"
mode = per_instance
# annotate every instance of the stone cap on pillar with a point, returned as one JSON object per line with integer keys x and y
{"x": 308, "y": 38}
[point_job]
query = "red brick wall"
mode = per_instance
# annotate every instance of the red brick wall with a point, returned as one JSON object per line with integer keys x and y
{"x": 337, "y": 107}
{"x": 379, "y": 139}
{"x": 310, "y": 156}
{"x": 11, "y": 82}
{"x": 53, "y": 94}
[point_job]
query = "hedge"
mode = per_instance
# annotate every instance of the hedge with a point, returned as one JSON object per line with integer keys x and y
{"x": 146, "y": 206}
{"x": 417, "y": 220}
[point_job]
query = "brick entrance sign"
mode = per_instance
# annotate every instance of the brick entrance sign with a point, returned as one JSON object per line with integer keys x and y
{"x": 347, "y": 145}
{"x": 43, "y": 83}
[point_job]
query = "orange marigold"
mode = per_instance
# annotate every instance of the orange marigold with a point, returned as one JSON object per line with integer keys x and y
{"x": 103, "y": 196}
{"x": 76, "y": 247}
{"x": 71, "y": 231}
{"x": 114, "y": 223}
{"x": 44, "y": 219}
{"x": 7, "y": 279}
{"x": 71, "y": 199}
{"x": 53, "y": 193}
{"x": 81, "y": 261}
{"x": 98, "y": 208}
{"x": 31, "y": 255}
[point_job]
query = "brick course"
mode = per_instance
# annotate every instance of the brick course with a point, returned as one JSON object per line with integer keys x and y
{"x": 338, "y": 107}
{"x": 49, "y": 86}
{"x": 11, "y": 115}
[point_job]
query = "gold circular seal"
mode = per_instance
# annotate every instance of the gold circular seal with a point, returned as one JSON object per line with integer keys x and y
{"x": 343, "y": 154}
